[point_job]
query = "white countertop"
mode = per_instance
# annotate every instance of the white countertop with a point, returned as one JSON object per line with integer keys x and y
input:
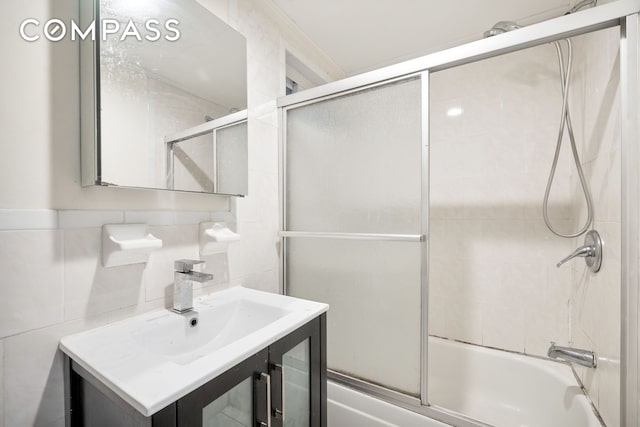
{"x": 156, "y": 358}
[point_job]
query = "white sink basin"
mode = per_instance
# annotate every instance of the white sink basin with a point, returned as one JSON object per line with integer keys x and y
{"x": 176, "y": 338}
{"x": 154, "y": 359}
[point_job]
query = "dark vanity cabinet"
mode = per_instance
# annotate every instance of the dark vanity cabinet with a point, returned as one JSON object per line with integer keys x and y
{"x": 283, "y": 385}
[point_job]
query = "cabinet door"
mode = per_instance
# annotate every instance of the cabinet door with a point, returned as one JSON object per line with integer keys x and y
{"x": 298, "y": 381}
{"x": 237, "y": 398}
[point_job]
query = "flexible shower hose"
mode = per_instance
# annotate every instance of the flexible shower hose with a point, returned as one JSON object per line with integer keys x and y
{"x": 565, "y": 121}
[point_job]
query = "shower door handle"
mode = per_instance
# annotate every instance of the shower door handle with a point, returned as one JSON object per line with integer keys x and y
{"x": 356, "y": 236}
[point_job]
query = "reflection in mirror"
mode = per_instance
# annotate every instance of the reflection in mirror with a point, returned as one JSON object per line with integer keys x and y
{"x": 162, "y": 68}
{"x": 206, "y": 157}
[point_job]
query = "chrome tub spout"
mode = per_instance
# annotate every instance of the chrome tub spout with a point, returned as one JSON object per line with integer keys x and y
{"x": 581, "y": 357}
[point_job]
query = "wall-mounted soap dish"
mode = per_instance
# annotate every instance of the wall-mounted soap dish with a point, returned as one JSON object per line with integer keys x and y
{"x": 215, "y": 237}
{"x": 124, "y": 244}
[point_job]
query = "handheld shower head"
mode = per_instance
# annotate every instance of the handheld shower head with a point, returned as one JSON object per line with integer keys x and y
{"x": 501, "y": 27}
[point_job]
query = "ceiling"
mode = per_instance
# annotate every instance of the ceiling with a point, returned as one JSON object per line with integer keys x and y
{"x": 214, "y": 76}
{"x": 361, "y": 35}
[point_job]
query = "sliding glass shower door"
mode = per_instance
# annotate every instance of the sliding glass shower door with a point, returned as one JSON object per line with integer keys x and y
{"x": 353, "y": 227}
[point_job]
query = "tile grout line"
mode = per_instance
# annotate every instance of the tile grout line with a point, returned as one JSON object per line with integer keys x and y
{"x": 58, "y": 219}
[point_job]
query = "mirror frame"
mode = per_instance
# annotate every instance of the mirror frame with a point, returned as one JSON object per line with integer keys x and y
{"x": 90, "y": 108}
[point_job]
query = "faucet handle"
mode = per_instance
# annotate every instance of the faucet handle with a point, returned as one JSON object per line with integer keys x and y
{"x": 583, "y": 251}
{"x": 186, "y": 265}
{"x": 591, "y": 251}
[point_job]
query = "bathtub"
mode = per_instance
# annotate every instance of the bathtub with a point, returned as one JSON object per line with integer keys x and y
{"x": 495, "y": 387}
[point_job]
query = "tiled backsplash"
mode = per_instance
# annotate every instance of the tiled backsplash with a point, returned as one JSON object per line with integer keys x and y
{"x": 54, "y": 284}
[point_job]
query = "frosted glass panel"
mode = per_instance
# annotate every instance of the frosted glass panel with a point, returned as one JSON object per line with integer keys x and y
{"x": 296, "y": 363}
{"x": 231, "y": 152}
{"x": 373, "y": 287}
{"x": 353, "y": 162}
{"x": 232, "y": 409}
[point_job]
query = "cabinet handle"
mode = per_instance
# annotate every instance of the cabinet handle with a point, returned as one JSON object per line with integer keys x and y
{"x": 267, "y": 379}
{"x": 279, "y": 413}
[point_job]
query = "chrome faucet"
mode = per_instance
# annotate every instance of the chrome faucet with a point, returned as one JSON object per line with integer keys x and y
{"x": 581, "y": 357}
{"x": 183, "y": 279}
{"x": 591, "y": 251}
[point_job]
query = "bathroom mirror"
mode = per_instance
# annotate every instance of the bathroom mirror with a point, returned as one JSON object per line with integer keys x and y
{"x": 163, "y": 97}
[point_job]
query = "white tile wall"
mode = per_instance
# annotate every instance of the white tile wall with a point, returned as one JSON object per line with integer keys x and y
{"x": 36, "y": 121}
{"x": 493, "y": 279}
{"x": 179, "y": 242}
{"x": 89, "y": 288}
{"x": 608, "y": 373}
{"x": 31, "y": 295}
{"x": 1, "y": 383}
{"x": 190, "y": 217}
{"x": 149, "y": 217}
{"x": 53, "y": 276}
{"x": 33, "y": 374}
{"x": 85, "y": 218}
{"x": 595, "y": 314}
{"x": 20, "y": 219}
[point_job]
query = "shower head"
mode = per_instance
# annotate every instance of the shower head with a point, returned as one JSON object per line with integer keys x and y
{"x": 506, "y": 26}
{"x": 501, "y": 27}
{"x": 582, "y": 4}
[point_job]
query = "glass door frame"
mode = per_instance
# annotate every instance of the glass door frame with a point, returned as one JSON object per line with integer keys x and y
{"x": 314, "y": 333}
{"x": 621, "y": 13}
{"x": 190, "y": 407}
{"x": 421, "y": 238}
